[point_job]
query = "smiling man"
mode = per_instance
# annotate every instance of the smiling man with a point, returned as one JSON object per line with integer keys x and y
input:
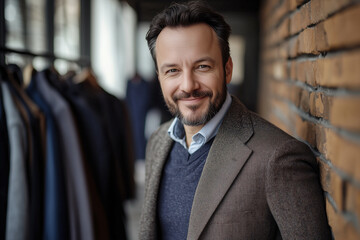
{"x": 192, "y": 75}
{"x": 217, "y": 170}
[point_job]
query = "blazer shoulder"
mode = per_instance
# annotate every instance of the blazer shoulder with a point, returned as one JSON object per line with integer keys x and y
{"x": 265, "y": 135}
{"x": 268, "y": 131}
{"x": 249, "y": 126}
{"x": 161, "y": 131}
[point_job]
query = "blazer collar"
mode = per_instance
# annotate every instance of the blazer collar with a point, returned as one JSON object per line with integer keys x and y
{"x": 226, "y": 158}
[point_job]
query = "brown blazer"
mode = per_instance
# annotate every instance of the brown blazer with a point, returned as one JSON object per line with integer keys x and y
{"x": 257, "y": 183}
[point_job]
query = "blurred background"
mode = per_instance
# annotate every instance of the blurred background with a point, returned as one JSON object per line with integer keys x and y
{"x": 110, "y": 36}
{"x": 296, "y": 63}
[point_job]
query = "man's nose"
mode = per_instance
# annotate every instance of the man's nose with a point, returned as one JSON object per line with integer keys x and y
{"x": 188, "y": 82}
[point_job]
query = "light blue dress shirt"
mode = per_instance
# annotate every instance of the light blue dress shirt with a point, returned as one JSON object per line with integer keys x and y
{"x": 210, "y": 129}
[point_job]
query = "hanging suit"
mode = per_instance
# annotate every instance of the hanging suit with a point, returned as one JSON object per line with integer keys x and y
{"x": 55, "y": 203}
{"x": 35, "y": 122}
{"x": 18, "y": 195}
{"x": 4, "y": 166}
{"x": 80, "y": 213}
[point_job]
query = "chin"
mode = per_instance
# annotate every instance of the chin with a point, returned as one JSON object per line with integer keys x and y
{"x": 193, "y": 119}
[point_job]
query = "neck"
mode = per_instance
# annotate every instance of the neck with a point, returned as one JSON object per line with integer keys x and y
{"x": 190, "y": 131}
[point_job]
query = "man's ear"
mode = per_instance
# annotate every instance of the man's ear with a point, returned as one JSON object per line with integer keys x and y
{"x": 228, "y": 70}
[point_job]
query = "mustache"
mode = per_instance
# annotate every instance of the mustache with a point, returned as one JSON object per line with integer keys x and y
{"x": 195, "y": 94}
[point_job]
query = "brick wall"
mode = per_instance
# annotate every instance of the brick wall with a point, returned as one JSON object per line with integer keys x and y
{"x": 310, "y": 87}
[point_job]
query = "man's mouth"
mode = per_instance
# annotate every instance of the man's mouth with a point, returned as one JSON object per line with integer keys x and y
{"x": 194, "y": 96}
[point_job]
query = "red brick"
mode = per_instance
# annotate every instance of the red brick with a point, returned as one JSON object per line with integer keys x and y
{"x": 306, "y": 42}
{"x": 283, "y": 50}
{"x": 283, "y": 30}
{"x": 320, "y": 105}
{"x": 350, "y": 70}
{"x": 300, "y": 20}
{"x": 306, "y": 72}
{"x": 310, "y": 72}
{"x": 321, "y": 40}
{"x": 293, "y": 46}
{"x": 342, "y": 29}
{"x": 280, "y": 113}
{"x": 294, "y": 94}
{"x": 325, "y": 172}
{"x": 279, "y": 89}
{"x": 305, "y": 101}
{"x": 274, "y": 53}
{"x": 304, "y": 129}
{"x": 352, "y": 203}
{"x": 293, "y": 70}
{"x": 321, "y": 9}
{"x": 317, "y": 11}
{"x": 268, "y": 70}
{"x": 280, "y": 33}
{"x": 326, "y": 69}
{"x": 316, "y": 109}
{"x": 336, "y": 189}
{"x": 270, "y": 8}
{"x": 268, "y": 54}
{"x": 341, "y": 228}
{"x": 272, "y": 38}
{"x": 279, "y": 13}
{"x": 274, "y": 119}
{"x": 299, "y": 2}
{"x": 292, "y": 5}
{"x": 342, "y": 152}
{"x": 345, "y": 113}
{"x": 339, "y": 71}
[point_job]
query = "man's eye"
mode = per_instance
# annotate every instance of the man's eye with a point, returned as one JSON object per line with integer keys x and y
{"x": 203, "y": 67}
{"x": 172, "y": 70}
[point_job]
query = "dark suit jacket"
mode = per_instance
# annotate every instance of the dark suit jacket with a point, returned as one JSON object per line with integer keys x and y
{"x": 4, "y": 166}
{"x": 257, "y": 183}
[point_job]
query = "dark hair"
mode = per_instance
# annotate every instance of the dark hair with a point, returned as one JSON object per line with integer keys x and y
{"x": 186, "y": 14}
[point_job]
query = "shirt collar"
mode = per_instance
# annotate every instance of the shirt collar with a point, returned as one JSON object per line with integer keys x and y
{"x": 207, "y": 132}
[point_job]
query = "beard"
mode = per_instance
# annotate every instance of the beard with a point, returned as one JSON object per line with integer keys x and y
{"x": 213, "y": 107}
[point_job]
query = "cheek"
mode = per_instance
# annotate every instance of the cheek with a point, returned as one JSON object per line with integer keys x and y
{"x": 167, "y": 89}
{"x": 213, "y": 84}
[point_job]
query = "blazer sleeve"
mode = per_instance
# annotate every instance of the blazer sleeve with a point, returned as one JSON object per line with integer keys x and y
{"x": 294, "y": 193}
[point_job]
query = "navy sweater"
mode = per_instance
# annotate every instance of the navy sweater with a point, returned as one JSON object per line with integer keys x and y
{"x": 180, "y": 178}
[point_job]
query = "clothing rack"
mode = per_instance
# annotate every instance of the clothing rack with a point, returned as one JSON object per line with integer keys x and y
{"x": 80, "y": 61}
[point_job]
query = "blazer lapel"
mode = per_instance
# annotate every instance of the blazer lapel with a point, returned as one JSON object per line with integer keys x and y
{"x": 158, "y": 165}
{"x": 226, "y": 158}
{"x": 160, "y": 150}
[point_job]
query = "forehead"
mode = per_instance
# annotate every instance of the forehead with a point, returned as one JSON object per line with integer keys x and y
{"x": 187, "y": 42}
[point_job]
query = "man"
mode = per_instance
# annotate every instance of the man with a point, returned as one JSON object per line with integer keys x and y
{"x": 219, "y": 171}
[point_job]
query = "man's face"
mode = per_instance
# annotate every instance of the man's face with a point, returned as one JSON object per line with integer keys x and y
{"x": 191, "y": 72}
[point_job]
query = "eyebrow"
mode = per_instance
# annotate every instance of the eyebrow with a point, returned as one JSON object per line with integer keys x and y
{"x": 205, "y": 59}
{"x": 170, "y": 65}
{"x": 167, "y": 65}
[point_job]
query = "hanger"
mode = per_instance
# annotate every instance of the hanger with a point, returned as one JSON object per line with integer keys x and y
{"x": 53, "y": 70}
{"x": 136, "y": 78}
{"x": 15, "y": 73}
{"x": 3, "y": 73}
{"x": 87, "y": 75}
{"x": 28, "y": 72}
